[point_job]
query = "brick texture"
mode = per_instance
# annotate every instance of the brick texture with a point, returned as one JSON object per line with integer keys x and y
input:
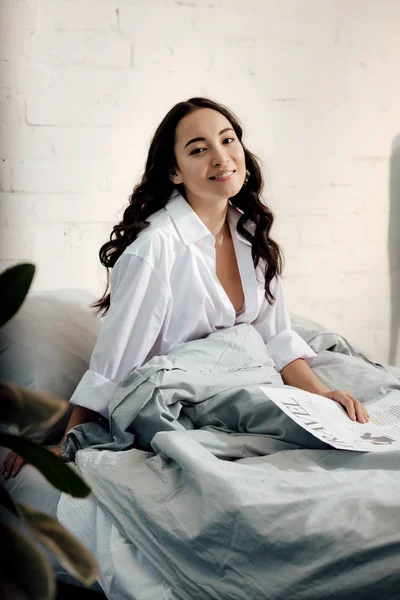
{"x": 84, "y": 83}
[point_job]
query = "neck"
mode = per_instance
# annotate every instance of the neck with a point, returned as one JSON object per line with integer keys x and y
{"x": 213, "y": 216}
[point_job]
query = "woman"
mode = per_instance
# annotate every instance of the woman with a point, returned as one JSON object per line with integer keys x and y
{"x": 192, "y": 254}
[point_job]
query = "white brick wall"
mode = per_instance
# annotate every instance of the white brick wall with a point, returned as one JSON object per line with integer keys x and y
{"x": 84, "y": 83}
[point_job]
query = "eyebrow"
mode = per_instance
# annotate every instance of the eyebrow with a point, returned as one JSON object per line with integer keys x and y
{"x": 202, "y": 139}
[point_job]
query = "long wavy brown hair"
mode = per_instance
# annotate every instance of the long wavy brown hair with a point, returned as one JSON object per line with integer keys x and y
{"x": 155, "y": 188}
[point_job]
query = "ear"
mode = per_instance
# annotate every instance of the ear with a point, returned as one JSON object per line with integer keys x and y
{"x": 175, "y": 176}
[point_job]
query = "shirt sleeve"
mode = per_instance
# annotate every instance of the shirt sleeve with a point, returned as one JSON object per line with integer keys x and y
{"x": 273, "y": 323}
{"x": 138, "y": 305}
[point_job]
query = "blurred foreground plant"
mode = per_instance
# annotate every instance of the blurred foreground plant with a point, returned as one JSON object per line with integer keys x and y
{"x": 25, "y": 571}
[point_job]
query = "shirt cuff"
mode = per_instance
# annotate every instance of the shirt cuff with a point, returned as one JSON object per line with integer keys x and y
{"x": 94, "y": 392}
{"x": 286, "y": 347}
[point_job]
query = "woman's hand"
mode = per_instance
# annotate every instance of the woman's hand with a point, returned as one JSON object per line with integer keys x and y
{"x": 13, "y": 463}
{"x": 355, "y": 409}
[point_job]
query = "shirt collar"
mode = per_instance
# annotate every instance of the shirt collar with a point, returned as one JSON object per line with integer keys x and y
{"x": 190, "y": 227}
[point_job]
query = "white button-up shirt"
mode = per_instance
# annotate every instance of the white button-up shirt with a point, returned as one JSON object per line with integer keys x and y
{"x": 164, "y": 292}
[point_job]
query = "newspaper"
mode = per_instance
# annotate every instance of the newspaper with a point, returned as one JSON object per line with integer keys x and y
{"x": 328, "y": 420}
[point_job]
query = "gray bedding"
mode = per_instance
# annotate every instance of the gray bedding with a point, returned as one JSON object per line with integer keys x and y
{"x": 229, "y": 498}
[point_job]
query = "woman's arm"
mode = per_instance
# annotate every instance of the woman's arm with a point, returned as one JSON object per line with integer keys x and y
{"x": 273, "y": 323}
{"x": 13, "y": 462}
{"x": 79, "y": 415}
{"x": 139, "y": 303}
{"x": 140, "y": 299}
{"x": 290, "y": 354}
{"x": 299, "y": 374}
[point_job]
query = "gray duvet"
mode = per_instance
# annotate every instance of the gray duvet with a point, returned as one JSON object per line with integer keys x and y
{"x": 226, "y": 495}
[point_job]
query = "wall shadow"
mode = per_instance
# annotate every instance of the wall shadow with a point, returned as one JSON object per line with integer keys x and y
{"x": 394, "y": 249}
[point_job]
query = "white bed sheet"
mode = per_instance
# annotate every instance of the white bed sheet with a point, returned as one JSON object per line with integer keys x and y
{"x": 125, "y": 572}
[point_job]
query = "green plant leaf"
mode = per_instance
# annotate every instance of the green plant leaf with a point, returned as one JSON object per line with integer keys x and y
{"x": 8, "y": 502}
{"x": 56, "y": 471}
{"x": 68, "y": 550}
{"x": 14, "y": 286}
{"x": 24, "y": 565}
{"x": 29, "y": 409}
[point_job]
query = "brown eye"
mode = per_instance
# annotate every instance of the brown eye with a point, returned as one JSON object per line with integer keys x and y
{"x": 197, "y": 151}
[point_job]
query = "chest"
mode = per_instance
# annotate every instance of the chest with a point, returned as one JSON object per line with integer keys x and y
{"x": 228, "y": 273}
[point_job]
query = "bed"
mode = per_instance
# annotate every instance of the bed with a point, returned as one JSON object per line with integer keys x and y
{"x": 206, "y": 512}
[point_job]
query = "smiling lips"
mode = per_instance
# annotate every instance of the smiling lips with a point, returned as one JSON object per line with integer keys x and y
{"x": 223, "y": 176}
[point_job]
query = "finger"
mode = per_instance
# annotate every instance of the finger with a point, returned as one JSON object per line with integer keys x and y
{"x": 348, "y": 404}
{"x": 8, "y": 463}
{"x": 18, "y": 464}
{"x": 10, "y": 457}
{"x": 366, "y": 413}
{"x": 361, "y": 410}
{"x": 351, "y": 408}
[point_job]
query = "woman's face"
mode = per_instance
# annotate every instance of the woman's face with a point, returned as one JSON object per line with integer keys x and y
{"x": 206, "y": 145}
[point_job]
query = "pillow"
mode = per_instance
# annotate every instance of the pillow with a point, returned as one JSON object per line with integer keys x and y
{"x": 47, "y": 346}
{"x": 306, "y": 328}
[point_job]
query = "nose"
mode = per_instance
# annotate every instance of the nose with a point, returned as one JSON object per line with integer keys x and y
{"x": 219, "y": 156}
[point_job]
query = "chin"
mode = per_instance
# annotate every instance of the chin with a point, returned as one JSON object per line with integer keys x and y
{"x": 228, "y": 191}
